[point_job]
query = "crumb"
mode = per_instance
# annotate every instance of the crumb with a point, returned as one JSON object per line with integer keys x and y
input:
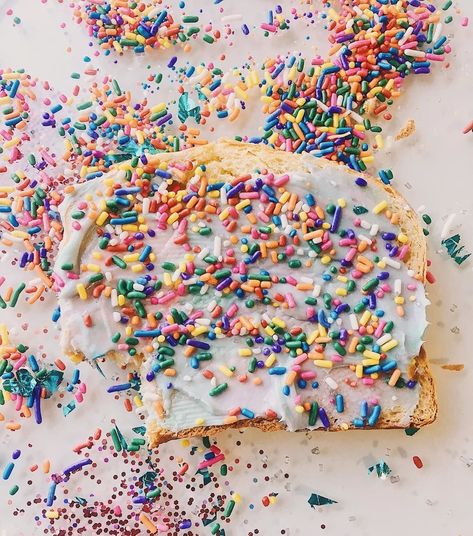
{"x": 406, "y": 131}
{"x": 457, "y": 367}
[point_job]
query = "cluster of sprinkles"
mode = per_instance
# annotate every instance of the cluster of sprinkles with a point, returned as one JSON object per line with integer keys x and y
{"x": 243, "y": 244}
{"x": 327, "y": 107}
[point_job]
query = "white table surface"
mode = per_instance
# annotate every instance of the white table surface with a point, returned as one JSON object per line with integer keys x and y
{"x": 431, "y": 168}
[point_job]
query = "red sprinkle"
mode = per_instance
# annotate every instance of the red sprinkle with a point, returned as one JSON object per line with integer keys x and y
{"x": 417, "y": 462}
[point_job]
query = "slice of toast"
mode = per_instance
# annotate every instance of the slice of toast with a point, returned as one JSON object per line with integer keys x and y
{"x": 172, "y": 417}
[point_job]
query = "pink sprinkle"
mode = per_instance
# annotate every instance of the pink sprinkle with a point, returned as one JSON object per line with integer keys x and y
{"x": 368, "y": 381}
{"x": 464, "y": 21}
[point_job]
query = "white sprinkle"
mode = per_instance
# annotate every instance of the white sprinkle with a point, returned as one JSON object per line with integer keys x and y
{"x": 308, "y": 280}
{"x": 223, "y": 196}
{"x": 316, "y": 291}
{"x": 365, "y": 239}
{"x": 437, "y": 32}
{"x": 406, "y": 36}
{"x": 190, "y": 281}
{"x": 211, "y": 306}
{"x": 203, "y": 321}
{"x": 353, "y": 322}
{"x": 138, "y": 287}
{"x": 204, "y": 289}
{"x": 145, "y": 205}
{"x": 203, "y": 253}
{"x": 217, "y": 245}
{"x": 331, "y": 383}
{"x": 365, "y": 224}
{"x": 114, "y": 297}
{"x": 175, "y": 275}
{"x": 187, "y": 378}
{"x": 397, "y": 287}
{"x": 374, "y": 229}
{"x": 108, "y": 276}
{"x": 116, "y": 316}
{"x": 384, "y": 339}
{"x": 414, "y": 53}
{"x": 391, "y": 262}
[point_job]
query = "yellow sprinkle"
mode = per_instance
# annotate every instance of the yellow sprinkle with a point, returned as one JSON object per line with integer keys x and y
{"x": 131, "y": 227}
{"x": 270, "y": 361}
{"x": 52, "y": 514}
{"x": 311, "y": 338}
{"x": 371, "y": 355}
{"x": 132, "y": 257}
{"x": 81, "y": 291}
{"x": 225, "y": 370}
{"x": 341, "y": 291}
{"x": 20, "y": 234}
{"x": 102, "y": 218}
{"x": 138, "y": 402}
{"x": 4, "y": 335}
{"x": 389, "y": 345}
{"x": 300, "y": 409}
{"x": 240, "y": 206}
{"x": 324, "y": 363}
{"x": 224, "y": 214}
{"x": 326, "y": 259}
{"x": 246, "y": 352}
{"x": 364, "y": 318}
{"x": 137, "y": 268}
{"x": 280, "y": 323}
{"x": 380, "y": 207}
{"x": 359, "y": 371}
{"x": 128, "y": 330}
{"x": 5, "y": 202}
{"x": 342, "y": 278}
{"x": 121, "y": 300}
{"x": 199, "y": 421}
{"x": 369, "y": 362}
{"x": 399, "y": 300}
{"x": 403, "y": 238}
{"x": 342, "y": 203}
{"x": 269, "y": 330}
{"x": 199, "y": 331}
{"x": 93, "y": 267}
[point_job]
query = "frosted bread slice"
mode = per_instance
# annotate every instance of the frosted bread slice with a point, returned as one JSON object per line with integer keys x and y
{"x": 255, "y": 287}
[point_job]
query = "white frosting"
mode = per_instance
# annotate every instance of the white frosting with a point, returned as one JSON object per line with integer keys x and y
{"x": 185, "y": 396}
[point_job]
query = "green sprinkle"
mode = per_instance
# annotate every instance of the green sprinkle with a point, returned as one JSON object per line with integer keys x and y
{"x": 168, "y": 266}
{"x": 295, "y": 263}
{"x": 116, "y": 336}
{"x": 223, "y": 469}
{"x": 116, "y": 88}
{"x": 313, "y": 413}
{"x": 95, "y": 278}
{"x": 84, "y": 105}
{"x": 229, "y": 508}
{"x": 67, "y": 266}
{"x": 116, "y": 441}
{"x": 153, "y": 493}
{"x": 119, "y": 262}
{"x": 16, "y": 294}
{"x": 447, "y": 5}
{"x": 190, "y": 19}
{"x": 14, "y": 489}
{"x": 219, "y": 389}
{"x": 371, "y": 284}
{"x": 208, "y": 38}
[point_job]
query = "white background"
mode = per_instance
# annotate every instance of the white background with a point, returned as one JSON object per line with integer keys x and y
{"x": 431, "y": 168}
